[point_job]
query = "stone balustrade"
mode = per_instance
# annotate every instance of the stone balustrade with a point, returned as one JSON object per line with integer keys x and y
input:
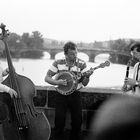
{"x": 92, "y": 98}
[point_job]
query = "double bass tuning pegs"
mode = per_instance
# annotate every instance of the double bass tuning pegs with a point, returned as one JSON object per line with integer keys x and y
{"x": 2, "y": 26}
{"x": 4, "y": 32}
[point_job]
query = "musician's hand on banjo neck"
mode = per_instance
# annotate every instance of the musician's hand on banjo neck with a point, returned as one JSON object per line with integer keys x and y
{"x": 91, "y": 70}
{"x": 89, "y": 73}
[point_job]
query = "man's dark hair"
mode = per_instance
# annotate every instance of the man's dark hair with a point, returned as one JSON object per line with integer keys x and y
{"x": 135, "y": 45}
{"x": 69, "y": 45}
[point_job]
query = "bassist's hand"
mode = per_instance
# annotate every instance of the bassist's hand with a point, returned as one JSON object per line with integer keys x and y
{"x": 5, "y": 72}
{"x": 12, "y": 93}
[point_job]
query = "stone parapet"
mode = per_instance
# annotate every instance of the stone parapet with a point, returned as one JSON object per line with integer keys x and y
{"x": 92, "y": 98}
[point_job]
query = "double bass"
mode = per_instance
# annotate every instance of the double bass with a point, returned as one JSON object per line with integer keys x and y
{"x": 23, "y": 121}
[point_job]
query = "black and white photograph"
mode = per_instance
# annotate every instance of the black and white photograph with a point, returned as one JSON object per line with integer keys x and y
{"x": 69, "y": 70}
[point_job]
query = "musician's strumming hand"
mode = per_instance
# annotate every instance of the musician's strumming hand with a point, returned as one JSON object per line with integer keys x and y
{"x": 130, "y": 81}
{"x": 126, "y": 88}
{"x": 62, "y": 82}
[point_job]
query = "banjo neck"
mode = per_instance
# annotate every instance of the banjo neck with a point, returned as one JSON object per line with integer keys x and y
{"x": 95, "y": 68}
{"x": 102, "y": 65}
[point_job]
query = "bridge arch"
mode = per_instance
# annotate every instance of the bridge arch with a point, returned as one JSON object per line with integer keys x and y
{"x": 83, "y": 56}
{"x": 59, "y": 55}
{"x": 46, "y": 55}
{"x": 102, "y": 57}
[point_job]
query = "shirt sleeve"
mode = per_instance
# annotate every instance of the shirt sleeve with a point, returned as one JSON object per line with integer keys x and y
{"x": 54, "y": 68}
{"x": 4, "y": 88}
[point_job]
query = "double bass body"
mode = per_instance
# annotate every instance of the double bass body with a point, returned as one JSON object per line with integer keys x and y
{"x": 38, "y": 127}
{"x": 23, "y": 121}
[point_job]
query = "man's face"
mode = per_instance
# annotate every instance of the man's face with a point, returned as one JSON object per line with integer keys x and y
{"x": 136, "y": 54}
{"x": 72, "y": 54}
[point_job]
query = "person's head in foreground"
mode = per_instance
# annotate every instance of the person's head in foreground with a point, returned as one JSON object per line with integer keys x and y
{"x": 117, "y": 119}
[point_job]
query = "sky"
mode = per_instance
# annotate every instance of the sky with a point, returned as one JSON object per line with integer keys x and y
{"x": 76, "y": 20}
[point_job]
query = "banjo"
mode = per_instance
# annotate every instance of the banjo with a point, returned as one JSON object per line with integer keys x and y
{"x": 72, "y": 80}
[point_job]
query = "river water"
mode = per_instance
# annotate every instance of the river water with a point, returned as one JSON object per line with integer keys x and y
{"x": 35, "y": 69}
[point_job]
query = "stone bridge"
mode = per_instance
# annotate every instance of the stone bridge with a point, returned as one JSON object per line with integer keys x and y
{"x": 91, "y": 52}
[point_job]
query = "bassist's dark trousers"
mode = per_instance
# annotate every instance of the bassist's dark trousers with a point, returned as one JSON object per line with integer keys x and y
{"x": 6, "y": 110}
{"x": 72, "y": 103}
{"x": 5, "y": 105}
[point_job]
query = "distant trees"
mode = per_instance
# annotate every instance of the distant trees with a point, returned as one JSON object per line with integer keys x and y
{"x": 30, "y": 43}
{"x": 33, "y": 41}
{"x": 122, "y": 46}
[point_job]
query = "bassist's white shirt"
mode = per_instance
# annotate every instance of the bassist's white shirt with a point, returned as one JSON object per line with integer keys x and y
{"x": 3, "y": 88}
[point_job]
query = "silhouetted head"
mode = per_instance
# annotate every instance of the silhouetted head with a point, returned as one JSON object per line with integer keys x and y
{"x": 117, "y": 119}
{"x": 135, "y": 45}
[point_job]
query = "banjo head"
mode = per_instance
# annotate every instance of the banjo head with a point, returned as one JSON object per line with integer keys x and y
{"x": 71, "y": 82}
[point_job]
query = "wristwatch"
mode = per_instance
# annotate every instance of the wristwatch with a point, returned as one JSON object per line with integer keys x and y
{"x": 137, "y": 83}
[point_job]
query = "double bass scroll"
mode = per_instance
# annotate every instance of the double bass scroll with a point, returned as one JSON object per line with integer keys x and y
{"x": 24, "y": 121}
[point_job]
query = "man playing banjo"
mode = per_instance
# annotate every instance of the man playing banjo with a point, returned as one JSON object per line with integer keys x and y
{"x": 70, "y": 74}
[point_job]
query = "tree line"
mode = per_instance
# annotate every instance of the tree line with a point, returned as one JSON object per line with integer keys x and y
{"x": 32, "y": 43}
